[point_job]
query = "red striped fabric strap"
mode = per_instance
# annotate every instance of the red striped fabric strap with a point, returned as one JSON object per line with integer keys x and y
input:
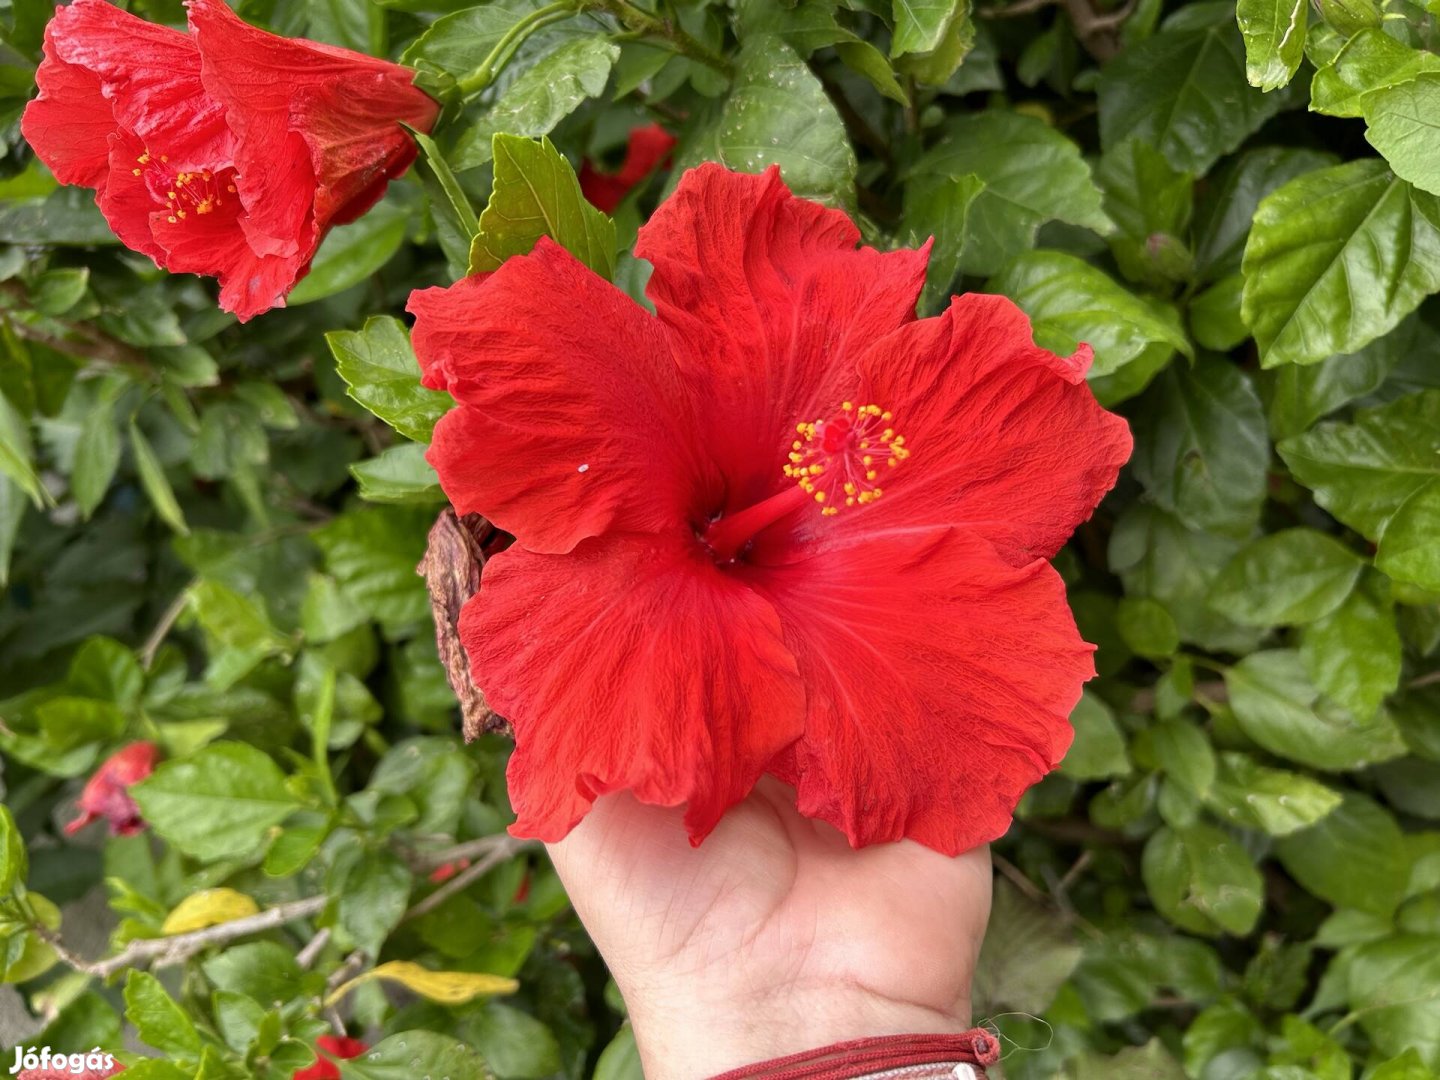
{"x": 975, "y": 1048}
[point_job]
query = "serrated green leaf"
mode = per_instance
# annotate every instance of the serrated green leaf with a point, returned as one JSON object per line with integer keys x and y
{"x": 1201, "y": 447}
{"x": 1032, "y": 174}
{"x": 1354, "y": 857}
{"x": 373, "y": 553}
{"x": 1302, "y": 394}
{"x": 1337, "y": 258}
{"x": 1276, "y": 801}
{"x": 921, "y": 24}
{"x": 545, "y": 93}
{"x": 778, "y": 114}
{"x": 1274, "y": 33}
{"x": 218, "y": 804}
{"x": 1278, "y": 706}
{"x": 1286, "y": 578}
{"x": 1363, "y": 472}
{"x": 382, "y": 374}
{"x": 536, "y": 194}
{"x": 157, "y": 1019}
{"x": 398, "y": 475}
{"x": 1069, "y": 302}
{"x": 1184, "y": 90}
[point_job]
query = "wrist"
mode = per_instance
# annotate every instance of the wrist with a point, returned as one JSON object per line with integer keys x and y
{"x": 682, "y": 1035}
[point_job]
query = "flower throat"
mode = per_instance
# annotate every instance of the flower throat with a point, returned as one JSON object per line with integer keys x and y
{"x": 835, "y": 462}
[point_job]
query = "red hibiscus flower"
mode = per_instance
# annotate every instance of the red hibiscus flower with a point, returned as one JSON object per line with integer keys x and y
{"x": 226, "y": 151}
{"x": 107, "y": 795}
{"x": 781, "y": 525}
{"x": 648, "y": 147}
{"x": 337, "y": 1046}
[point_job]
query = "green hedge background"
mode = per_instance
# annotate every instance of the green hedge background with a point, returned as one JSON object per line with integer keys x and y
{"x": 209, "y": 533}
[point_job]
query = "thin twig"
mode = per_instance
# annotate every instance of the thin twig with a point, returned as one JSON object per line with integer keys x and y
{"x": 504, "y": 847}
{"x": 306, "y": 956}
{"x": 468, "y": 849}
{"x": 1018, "y": 879}
{"x": 163, "y": 627}
{"x": 166, "y": 951}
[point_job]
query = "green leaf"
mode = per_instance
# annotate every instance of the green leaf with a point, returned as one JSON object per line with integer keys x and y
{"x": 218, "y": 804}
{"x": 1410, "y": 545}
{"x": 12, "y": 511}
{"x": 1369, "y": 61}
{"x": 1337, "y": 258}
{"x": 544, "y": 94}
{"x": 373, "y": 892}
{"x": 57, "y": 291}
{"x": 1407, "y": 1066}
{"x": 1201, "y": 448}
{"x": 17, "y": 451}
{"x": 353, "y": 252}
{"x": 14, "y": 862}
{"x": 1363, "y": 472}
{"x": 97, "y": 456}
{"x": 1027, "y": 956}
{"x": 920, "y": 25}
{"x": 1184, "y": 91}
{"x": 373, "y": 553}
{"x": 263, "y": 970}
{"x": 1286, "y": 578}
{"x": 156, "y": 484}
{"x": 1353, "y": 654}
{"x": 1098, "y": 751}
{"x": 1032, "y": 174}
{"x": 1150, "y": 204}
{"x": 157, "y": 1019}
{"x": 415, "y": 1053}
{"x": 778, "y": 114}
{"x": 1274, "y": 800}
{"x": 455, "y": 221}
{"x": 1070, "y": 301}
{"x": 1183, "y": 751}
{"x": 536, "y": 194}
{"x": 1396, "y": 990}
{"x": 939, "y": 206}
{"x": 1302, "y": 394}
{"x": 620, "y": 1060}
{"x": 1203, "y": 881}
{"x": 1354, "y": 857}
{"x": 515, "y": 1044}
{"x": 398, "y": 475}
{"x": 1402, "y": 126}
{"x": 238, "y": 630}
{"x": 1274, "y": 33}
{"x": 1279, "y": 707}
{"x": 1146, "y": 627}
{"x": 455, "y": 43}
{"x": 382, "y": 374}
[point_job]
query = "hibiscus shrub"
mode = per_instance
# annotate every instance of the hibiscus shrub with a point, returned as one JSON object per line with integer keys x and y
{"x": 241, "y": 827}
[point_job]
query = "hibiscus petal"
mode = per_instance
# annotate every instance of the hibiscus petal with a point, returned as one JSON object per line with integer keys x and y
{"x": 126, "y": 199}
{"x": 69, "y": 124}
{"x": 573, "y": 419}
{"x": 1005, "y": 438}
{"x": 150, "y": 74}
{"x": 767, "y": 297}
{"x": 214, "y": 244}
{"x": 940, "y": 683}
{"x": 346, "y": 106}
{"x": 633, "y": 664}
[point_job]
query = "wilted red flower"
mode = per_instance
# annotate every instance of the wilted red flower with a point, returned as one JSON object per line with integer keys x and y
{"x": 647, "y": 148}
{"x": 107, "y": 795}
{"x": 227, "y": 151}
{"x": 706, "y": 583}
{"x": 337, "y": 1046}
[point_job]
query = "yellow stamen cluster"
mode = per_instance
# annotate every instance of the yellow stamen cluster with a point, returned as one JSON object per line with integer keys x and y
{"x": 186, "y": 191}
{"x": 836, "y": 461}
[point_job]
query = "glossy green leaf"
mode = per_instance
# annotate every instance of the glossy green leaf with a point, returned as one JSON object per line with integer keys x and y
{"x": 1354, "y": 857}
{"x": 939, "y": 207}
{"x": 398, "y": 475}
{"x": 1278, "y": 706}
{"x": 157, "y": 1019}
{"x": 536, "y": 194}
{"x": 1285, "y": 578}
{"x": 353, "y": 252}
{"x": 1337, "y": 258}
{"x": 1276, "y": 801}
{"x": 382, "y": 374}
{"x": 1353, "y": 654}
{"x": 1202, "y": 880}
{"x": 217, "y": 804}
{"x": 414, "y": 1053}
{"x": 1032, "y": 174}
{"x": 1274, "y": 32}
{"x": 1184, "y": 90}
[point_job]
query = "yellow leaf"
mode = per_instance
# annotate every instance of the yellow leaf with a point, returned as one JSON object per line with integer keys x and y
{"x": 446, "y": 987}
{"x": 206, "y": 908}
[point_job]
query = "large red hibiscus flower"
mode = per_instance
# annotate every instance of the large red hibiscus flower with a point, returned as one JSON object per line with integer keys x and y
{"x": 226, "y": 151}
{"x": 779, "y": 526}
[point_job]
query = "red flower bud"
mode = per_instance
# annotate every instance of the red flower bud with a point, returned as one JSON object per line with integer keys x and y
{"x": 339, "y": 1046}
{"x": 227, "y": 151}
{"x": 107, "y": 793}
{"x": 649, "y": 147}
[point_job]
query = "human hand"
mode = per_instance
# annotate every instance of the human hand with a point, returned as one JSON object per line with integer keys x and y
{"x": 773, "y": 936}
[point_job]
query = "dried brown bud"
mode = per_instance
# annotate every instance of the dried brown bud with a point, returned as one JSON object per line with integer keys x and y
{"x": 451, "y": 568}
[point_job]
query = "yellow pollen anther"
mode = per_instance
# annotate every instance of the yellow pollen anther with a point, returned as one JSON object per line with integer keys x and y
{"x": 134, "y": 172}
{"x": 171, "y": 219}
{"x": 833, "y": 461}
